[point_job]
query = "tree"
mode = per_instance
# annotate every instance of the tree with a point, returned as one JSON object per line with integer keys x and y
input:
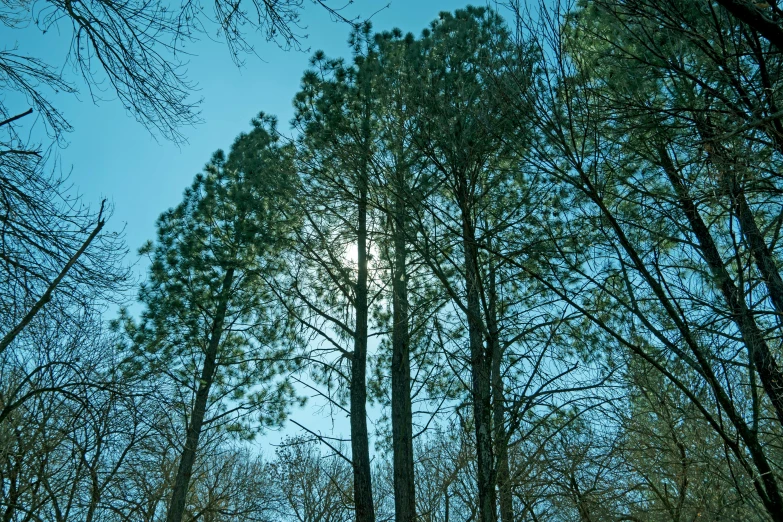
{"x": 59, "y": 270}
{"x": 648, "y": 271}
{"x": 460, "y": 133}
{"x": 210, "y": 324}
{"x": 74, "y": 424}
{"x": 332, "y": 294}
{"x": 400, "y": 181}
{"x": 314, "y": 487}
{"x": 445, "y": 474}
{"x": 54, "y": 252}
{"x": 139, "y": 49}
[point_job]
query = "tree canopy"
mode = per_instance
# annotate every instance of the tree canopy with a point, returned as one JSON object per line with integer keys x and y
{"x": 529, "y": 260}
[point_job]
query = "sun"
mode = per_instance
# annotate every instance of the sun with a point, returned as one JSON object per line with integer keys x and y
{"x": 351, "y": 254}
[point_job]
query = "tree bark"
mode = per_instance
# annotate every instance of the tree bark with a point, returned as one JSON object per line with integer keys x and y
{"x": 360, "y": 441}
{"x": 401, "y": 409}
{"x": 480, "y": 364}
{"x": 498, "y": 405}
{"x": 760, "y": 355}
{"x": 751, "y": 15}
{"x": 182, "y": 481}
{"x": 765, "y": 262}
{"x": 12, "y": 495}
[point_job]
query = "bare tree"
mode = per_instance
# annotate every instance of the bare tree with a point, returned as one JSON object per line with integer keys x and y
{"x": 313, "y": 486}
{"x": 138, "y": 49}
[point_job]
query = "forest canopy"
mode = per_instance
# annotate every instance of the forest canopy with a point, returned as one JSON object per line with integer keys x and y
{"x": 529, "y": 257}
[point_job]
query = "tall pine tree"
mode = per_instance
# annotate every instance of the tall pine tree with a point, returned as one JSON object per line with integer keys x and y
{"x": 210, "y": 324}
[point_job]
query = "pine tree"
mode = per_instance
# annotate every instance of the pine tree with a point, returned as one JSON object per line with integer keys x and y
{"x": 210, "y": 324}
{"x": 334, "y": 112}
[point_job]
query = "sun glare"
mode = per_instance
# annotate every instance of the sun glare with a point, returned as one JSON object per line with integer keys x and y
{"x": 351, "y": 254}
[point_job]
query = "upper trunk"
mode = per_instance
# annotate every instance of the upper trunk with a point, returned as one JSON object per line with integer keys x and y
{"x": 498, "y": 405}
{"x": 402, "y": 418}
{"x": 750, "y": 14}
{"x": 480, "y": 365}
{"x": 188, "y": 457}
{"x": 760, "y": 355}
{"x": 360, "y": 442}
{"x": 765, "y": 262}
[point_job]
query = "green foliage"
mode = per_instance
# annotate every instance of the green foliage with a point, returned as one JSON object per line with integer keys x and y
{"x": 236, "y": 217}
{"x": 546, "y": 192}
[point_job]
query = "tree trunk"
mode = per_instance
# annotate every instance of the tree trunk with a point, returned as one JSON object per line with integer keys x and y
{"x": 360, "y": 441}
{"x": 498, "y": 405}
{"x": 12, "y": 495}
{"x": 754, "y": 17}
{"x": 188, "y": 457}
{"x": 581, "y": 505}
{"x": 765, "y": 262}
{"x": 760, "y": 355}
{"x": 504, "y": 485}
{"x": 401, "y": 409}
{"x": 480, "y": 366}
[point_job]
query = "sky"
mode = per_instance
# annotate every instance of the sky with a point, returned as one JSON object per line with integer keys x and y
{"x": 112, "y": 156}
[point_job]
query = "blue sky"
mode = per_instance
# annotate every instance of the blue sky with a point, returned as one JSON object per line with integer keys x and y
{"x": 110, "y": 155}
